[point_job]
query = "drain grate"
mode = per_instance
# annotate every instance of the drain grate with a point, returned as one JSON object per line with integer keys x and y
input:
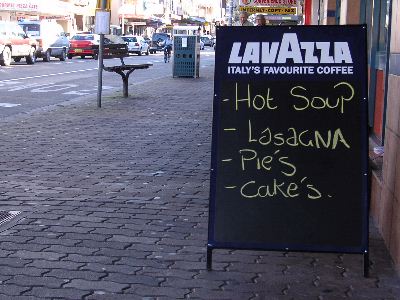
{"x": 6, "y": 216}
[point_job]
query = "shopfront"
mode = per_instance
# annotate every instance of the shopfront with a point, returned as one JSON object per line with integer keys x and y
{"x": 15, "y": 10}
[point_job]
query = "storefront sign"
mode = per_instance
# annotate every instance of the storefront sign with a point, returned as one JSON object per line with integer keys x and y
{"x": 269, "y": 2}
{"x": 19, "y": 5}
{"x": 54, "y": 7}
{"x": 269, "y": 10}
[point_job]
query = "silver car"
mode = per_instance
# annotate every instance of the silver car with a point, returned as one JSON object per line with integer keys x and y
{"x": 136, "y": 44}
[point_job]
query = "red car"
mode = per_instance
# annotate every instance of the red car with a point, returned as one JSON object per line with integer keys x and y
{"x": 15, "y": 44}
{"x": 88, "y": 44}
{"x": 82, "y": 45}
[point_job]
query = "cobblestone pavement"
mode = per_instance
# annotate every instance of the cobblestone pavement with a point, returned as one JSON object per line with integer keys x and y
{"x": 114, "y": 205}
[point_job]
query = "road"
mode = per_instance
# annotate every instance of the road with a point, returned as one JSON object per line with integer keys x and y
{"x": 26, "y": 88}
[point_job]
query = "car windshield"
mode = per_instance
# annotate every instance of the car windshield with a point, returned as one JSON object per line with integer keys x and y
{"x": 89, "y": 37}
{"x": 157, "y": 37}
{"x": 129, "y": 39}
{"x": 31, "y": 29}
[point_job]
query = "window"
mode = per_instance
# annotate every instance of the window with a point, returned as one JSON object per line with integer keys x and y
{"x": 31, "y": 29}
{"x": 383, "y": 25}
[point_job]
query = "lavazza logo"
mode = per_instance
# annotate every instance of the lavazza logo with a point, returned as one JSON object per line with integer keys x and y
{"x": 289, "y": 56}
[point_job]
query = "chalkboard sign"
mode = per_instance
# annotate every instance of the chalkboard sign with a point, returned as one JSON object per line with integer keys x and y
{"x": 290, "y": 144}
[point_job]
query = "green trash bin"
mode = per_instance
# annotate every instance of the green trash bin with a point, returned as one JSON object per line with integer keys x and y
{"x": 186, "y": 56}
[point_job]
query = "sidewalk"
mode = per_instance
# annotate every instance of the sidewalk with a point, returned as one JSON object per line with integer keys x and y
{"x": 114, "y": 205}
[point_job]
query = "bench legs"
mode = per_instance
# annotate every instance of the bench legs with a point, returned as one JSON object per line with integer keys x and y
{"x": 125, "y": 80}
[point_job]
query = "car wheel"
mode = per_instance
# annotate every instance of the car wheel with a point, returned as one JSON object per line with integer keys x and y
{"x": 6, "y": 61}
{"x": 63, "y": 55}
{"x": 31, "y": 58}
{"x": 69, "y": 56}
{"x": 82, "y": 56}
{"x": 47, "y": 56}
{"x": 17, "y": 59}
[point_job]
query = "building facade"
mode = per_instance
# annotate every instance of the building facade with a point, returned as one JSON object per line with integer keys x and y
{"x": 144, "y": 17}
{"x": 383, "y": 22}
{"x": 140, "y": 17}
{"x": 72, "y": 15}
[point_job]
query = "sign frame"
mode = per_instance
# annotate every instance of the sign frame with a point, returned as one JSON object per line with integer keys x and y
{"x": 223, "y": 34}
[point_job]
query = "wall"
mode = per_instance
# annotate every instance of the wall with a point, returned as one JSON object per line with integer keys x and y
{"x": 385, "y": 201}
{"x": 327, "y": 12}
{"x": 350, "y": 12}
{"x": 385, "y": 179}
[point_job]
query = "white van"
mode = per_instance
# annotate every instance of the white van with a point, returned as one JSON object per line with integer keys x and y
{"x": 52, "y": 39}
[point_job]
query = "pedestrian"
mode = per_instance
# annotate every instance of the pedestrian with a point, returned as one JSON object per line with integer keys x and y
{"x": 260, "y": 20}
{"x": 243, "y": 20}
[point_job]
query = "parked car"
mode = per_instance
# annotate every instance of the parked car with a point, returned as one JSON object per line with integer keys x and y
{"x": 158, "y": 41}
{"x": 82, "y": 45}
{"x": 136, "y": 44}
{"x": 206, "y": 40}
{"x": 52, "y": 40}
{"x": 15, "y": 44}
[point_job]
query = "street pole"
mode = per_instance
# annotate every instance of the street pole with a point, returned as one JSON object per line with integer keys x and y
{"x": 100, "y": 61}
{"x": 230, "y": 13}
{"x": 123, "y": 18}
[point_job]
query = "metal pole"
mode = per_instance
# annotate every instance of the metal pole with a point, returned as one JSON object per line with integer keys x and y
{"x": 100, "y": 62}
{"x": 230, "y": 13}
{"x": 123, "y": 18}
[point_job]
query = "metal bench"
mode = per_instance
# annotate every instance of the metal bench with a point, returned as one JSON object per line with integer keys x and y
{"x": 120, "y": 51}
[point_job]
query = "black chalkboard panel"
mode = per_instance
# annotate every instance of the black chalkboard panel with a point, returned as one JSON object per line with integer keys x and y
{"x": 290, "y": 143}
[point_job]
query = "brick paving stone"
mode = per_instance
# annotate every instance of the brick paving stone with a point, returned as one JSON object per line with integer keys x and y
{"x": 63, "y": 293}
{"x": 110, "y": 296}
{"x": 102, "y": 244}
{"x": 123, "y": 253}
{"x": 134, "y": 239}
{"x": 101, "y": 285}
{"x": 7, "y": 270}
{"x": 24, "y": 254}
{"x": 68, "y": 265}
{"x": 90, "y": 258}
{"x": 122, "y": 269}
{"x": 12, "y": 289}
{"x": 24, "y": 280}
{"x": 135, "y": 279}
{"x": 203, "y": 293}
{"x": 68, "y": 250}
{"x": 71, "y": 274}
{"x": 49, "y": 241}
{"x": 142, "y": 291}
{"x": 6, "y": 297}
{"x": 14, "y": 262}
{"x": 4, "y": 253}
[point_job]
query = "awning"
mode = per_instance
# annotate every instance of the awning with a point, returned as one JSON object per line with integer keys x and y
{"x": 197, "y": 20}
